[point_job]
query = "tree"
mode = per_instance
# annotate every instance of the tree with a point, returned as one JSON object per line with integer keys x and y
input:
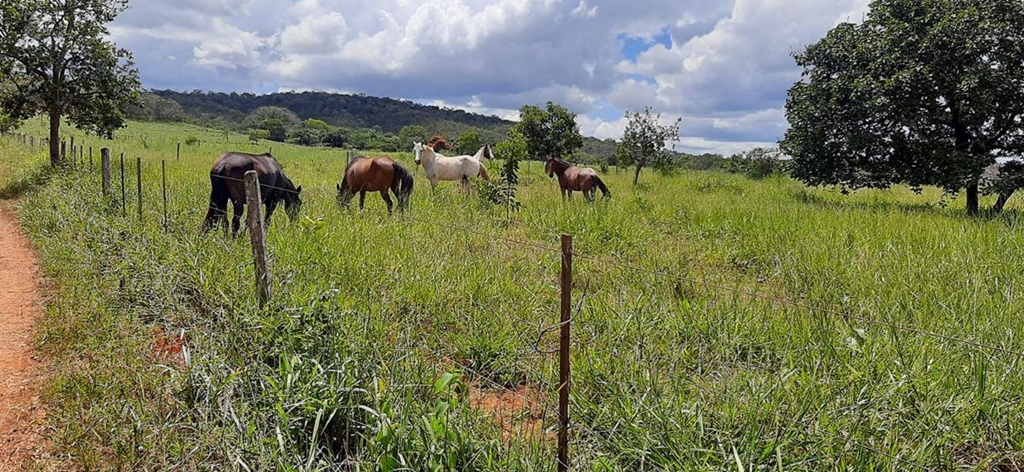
{"x": 286, "y": 117}
{"x": 645, "y": 139}
{"x": 320, "y": 126}
{"x": 336, "y": 138}
{"x": 256, "y": 135}
{"x": 551, "y": 132}
{"x": 56, "y": 60}
{"x": 469, "y": 143}
{"x": 412, "y": 134}
{"x": 275, "y": 128}
{"x": 923, "y": 92}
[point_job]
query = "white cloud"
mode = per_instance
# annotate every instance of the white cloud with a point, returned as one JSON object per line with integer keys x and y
{"x": 725, "y": 71}
{"x": 581, "y": 10}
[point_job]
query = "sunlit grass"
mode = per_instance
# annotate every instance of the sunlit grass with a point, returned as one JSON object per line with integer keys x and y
{"x": 672, "y": 368}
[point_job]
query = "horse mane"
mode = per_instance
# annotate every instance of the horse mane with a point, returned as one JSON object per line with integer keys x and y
{"x": 437, "y": 143}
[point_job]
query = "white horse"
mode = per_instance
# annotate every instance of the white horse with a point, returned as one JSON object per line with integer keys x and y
{"x": 461, "y": 168}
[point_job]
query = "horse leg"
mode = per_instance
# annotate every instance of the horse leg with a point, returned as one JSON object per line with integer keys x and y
{"x": 570, "y": 194}
{"x": 271, "y": 205}
{"x": 387, "y": 199}
{"x": 362, "y": 198}
{"x": 235, "y": 221}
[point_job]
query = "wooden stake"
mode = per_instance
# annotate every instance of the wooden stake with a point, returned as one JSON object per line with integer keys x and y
{"x": 259, "y": 245}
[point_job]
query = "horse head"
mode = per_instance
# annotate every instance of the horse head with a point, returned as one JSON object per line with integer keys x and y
{"x": 549, "y": 166}
{"x": 293, "y": 203}
{"x": 417, "y": 148}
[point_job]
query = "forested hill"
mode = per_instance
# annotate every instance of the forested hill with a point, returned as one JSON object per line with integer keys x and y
{"x": 353, "y": 111}
{"x": 383, "y": 118}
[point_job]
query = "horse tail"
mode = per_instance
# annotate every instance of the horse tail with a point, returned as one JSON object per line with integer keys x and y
{"x": 604, "y": 188}
{"x": 483, "y": 173}
{"x": 403, "y": 182}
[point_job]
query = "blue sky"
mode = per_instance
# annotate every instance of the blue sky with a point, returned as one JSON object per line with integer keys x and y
{"x": 722, "y": 66}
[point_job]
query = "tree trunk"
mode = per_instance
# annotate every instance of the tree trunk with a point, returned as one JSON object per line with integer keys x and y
{"x": 1004, "y": 196}
{"x": 54, "y": 138}
{"x": 972, "y": 198}
{"x": 639, "y": 167}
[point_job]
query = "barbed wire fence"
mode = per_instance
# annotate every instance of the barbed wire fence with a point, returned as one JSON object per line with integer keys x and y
{"x": 530, "y": 413}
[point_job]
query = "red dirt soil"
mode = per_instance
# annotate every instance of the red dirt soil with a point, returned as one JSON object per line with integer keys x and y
{"x": 21, "y": 410}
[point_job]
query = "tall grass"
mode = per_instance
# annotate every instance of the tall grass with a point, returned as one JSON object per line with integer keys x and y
{"x": 382, "y": 331}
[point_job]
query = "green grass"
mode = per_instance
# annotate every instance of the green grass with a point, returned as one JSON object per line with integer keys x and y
{"x": 380, "y": 327}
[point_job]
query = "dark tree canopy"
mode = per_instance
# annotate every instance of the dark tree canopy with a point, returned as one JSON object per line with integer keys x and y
{"x": 923, "y": 92}
{"x": 551, "y": 132}
{"x": 55, "y": 60}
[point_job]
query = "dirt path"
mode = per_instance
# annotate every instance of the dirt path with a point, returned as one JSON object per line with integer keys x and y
{"x": 21, "y": 413}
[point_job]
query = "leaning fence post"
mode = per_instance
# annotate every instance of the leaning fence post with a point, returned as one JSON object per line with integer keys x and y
{"x": 105, "y": 168}
{"x": 563, "y": 358}
{"x": 259, "y": 245}
{"x": 138, "y": 179}
{"x": 124, "y": 196}
{"x": 163, "y": 177}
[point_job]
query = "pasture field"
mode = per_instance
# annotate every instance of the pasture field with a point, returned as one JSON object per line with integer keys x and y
{"x": 395, "y": 343}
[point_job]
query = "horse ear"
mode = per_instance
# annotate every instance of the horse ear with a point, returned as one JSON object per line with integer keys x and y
{"x": 299, "y": 190}
{"x": 338, "y": 186}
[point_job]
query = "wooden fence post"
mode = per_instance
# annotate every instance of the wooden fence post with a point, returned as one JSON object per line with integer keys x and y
{"x": 63, "y": 149}
{"x": 124, "y": 196}
{"x": 32, "y": 141}
{"x": 178, "y": 155}
{"x": 105, "y": 168}
{"x": 563, "y": 358}
{"x": 138, "y": 179}
{"x": 163, "y": 177}
{"x": 259, "y": 245}
{"x": 72, "y": 148}
{"x": 90, "y": 158}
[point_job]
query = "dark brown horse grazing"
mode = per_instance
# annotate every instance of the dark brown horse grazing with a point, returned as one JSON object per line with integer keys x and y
{"x": 227, "y": 179}
{"x": 572, "y": 178}
{"x": 376, "y": 174}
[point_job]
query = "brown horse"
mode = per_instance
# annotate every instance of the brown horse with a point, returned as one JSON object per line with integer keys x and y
{"x": 376, "y": 174}
{"x": 572, "y": 178}
{"x": 438, "y": 144}
{"x": 227, "y": 179}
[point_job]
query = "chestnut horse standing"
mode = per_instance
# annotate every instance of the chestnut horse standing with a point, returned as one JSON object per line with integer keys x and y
{"x": 377, "y": 174}
{"x": 227, "y": 182}
{"x": 572, "y": 178}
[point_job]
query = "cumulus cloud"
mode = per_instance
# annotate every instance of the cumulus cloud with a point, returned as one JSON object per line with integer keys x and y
{"x": 724, "y": 68}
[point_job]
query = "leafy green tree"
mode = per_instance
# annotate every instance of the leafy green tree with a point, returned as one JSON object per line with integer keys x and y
{"x": 336, "y": 138}
{"x": 286, "y": 117}
{"x": 275, "y": 128}
{"x": 923, "y": 92}
{"x": 1003, "y": 180}
{"x": 646, "y": 139}
{"x": 56, "y": 60}
{"x": 413, "y": 134}
{"x": 468, "y": 143}
{"x": 256, "y": 135}
{"x": 548, "y": 132}
{"x": 320, "y": 126}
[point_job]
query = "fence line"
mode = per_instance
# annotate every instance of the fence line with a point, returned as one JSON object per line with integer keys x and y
{"x": 620, "y": 264}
